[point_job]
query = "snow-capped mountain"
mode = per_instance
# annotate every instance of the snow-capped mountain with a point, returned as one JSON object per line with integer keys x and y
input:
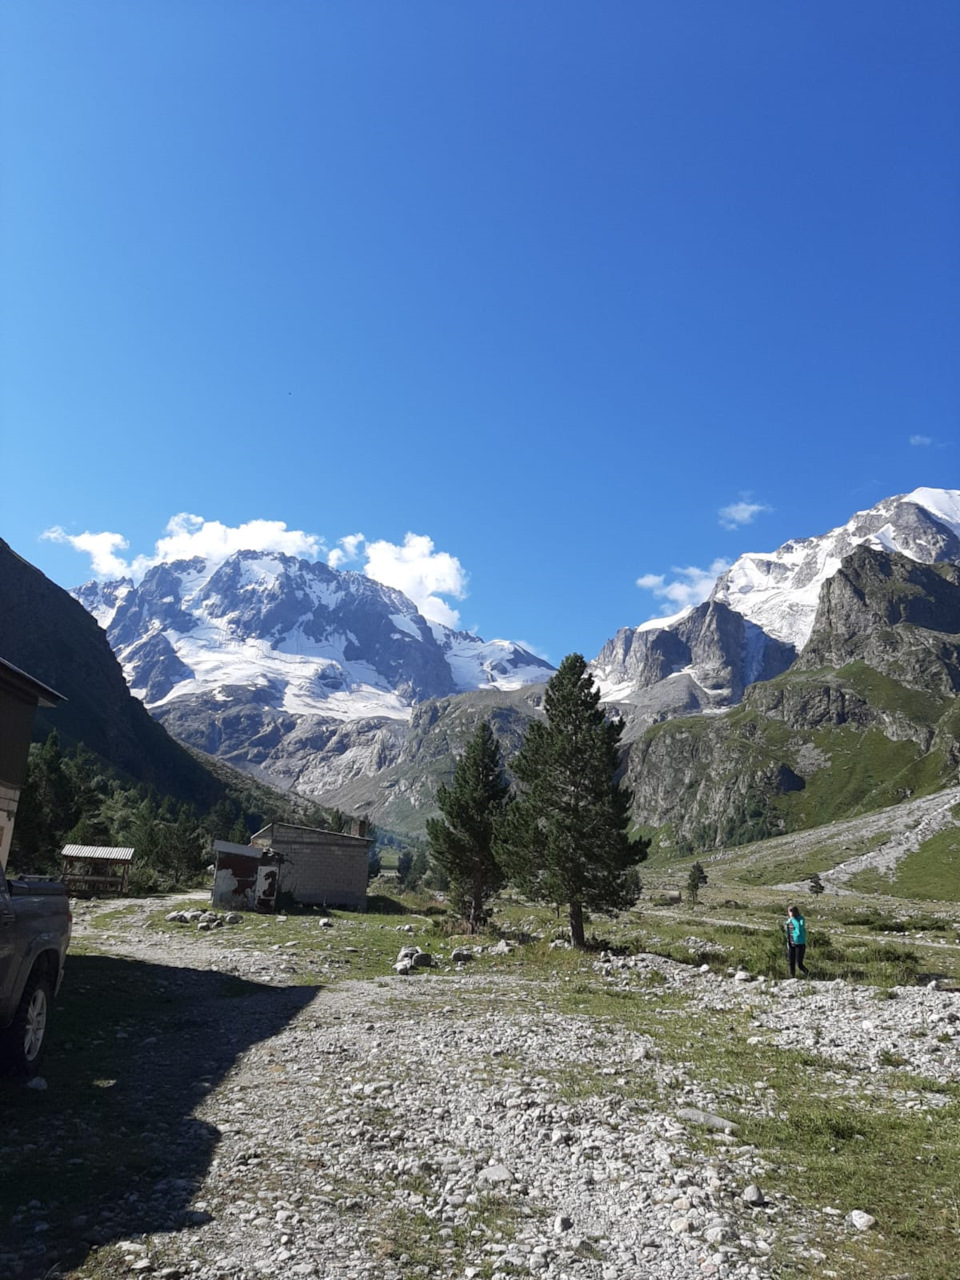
{"x": 779, "y": 591}
{"x": 309, "y": 639}
{"x": 315, "y": 679}
{"x": 761, "y": 612}
{"x": 290, "y": 669}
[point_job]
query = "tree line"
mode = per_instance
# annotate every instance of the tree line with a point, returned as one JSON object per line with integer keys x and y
{"x": 74, "y": 798}
{"x": 560, "y": 832}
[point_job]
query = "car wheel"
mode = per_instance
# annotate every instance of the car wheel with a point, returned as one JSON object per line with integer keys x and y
{"x": 26, "y": 1038}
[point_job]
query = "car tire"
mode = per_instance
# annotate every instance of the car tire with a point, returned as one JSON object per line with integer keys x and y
{"x": 25, "y": 1040}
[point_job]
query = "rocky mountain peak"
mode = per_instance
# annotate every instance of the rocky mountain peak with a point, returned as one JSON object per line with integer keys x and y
{"x": 900, "y": 617}
{"x": 761, "y": 612}
{"x": 320, "y": 641}
{"x": 780, "y": 590}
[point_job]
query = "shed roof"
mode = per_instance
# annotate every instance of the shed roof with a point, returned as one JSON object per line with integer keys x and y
{"x": 241, "y": 850}
{"x": 97, "y": 853}
{"x": 24, "y": 683}
{"x": 267, "y": 833}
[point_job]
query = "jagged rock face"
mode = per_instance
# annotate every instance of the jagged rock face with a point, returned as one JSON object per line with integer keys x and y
{"x": 310, "y": 754}
{"x": 760, "y": 614}
{"x": 402, "y": 794}
{"x": 46, "y": 632}
{"x": 703, "y": 662}
{"x": 900, "y": 617}
{"x": 883, "y": 658}
{"x": 829, "y": 702}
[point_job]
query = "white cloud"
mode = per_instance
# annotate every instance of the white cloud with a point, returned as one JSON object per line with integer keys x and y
{"x": 347, "y": 551}
{"x": 100, "y": 547}
{"x": 415, "y": 567}
{"x": 690, "y": 586}
{"x": 420, "y": 572}
{"x": 740, "y": 513}
{"x": 188, "y": 536}
{"x": 921, "y": 441}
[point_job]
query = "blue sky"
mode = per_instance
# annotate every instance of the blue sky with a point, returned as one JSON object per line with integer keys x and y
{"x": 548, "y": 286}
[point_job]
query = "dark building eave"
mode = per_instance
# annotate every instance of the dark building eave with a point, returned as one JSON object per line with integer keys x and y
{"x": 18, "y": 682}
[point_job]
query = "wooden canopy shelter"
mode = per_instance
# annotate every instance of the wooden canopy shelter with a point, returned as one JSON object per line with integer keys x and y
{"x": 92, "y": 870}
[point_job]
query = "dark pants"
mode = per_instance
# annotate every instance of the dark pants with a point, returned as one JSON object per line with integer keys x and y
{"x": 795, "y": 954}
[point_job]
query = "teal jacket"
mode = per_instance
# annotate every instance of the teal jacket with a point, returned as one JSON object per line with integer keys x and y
{"x": 796, "y": 931}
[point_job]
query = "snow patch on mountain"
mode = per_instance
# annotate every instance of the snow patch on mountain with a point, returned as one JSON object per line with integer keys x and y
{"x": 298, "y": 636}
{"x": 489, "y": 664}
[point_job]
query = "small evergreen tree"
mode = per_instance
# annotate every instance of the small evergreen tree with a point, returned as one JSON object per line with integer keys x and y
{"x": 404, "y": 863}
{"x": 461, "y": 841}
{"x": 815, "y": 884}
{"x": 374, "y": 865}
{"x": 696, "y": 878}
{"x": 565, "y": 838}
{"x": 419, "y": 866}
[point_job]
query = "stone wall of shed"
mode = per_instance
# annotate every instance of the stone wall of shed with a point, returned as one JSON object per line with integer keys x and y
{"x": 333, "y": 876}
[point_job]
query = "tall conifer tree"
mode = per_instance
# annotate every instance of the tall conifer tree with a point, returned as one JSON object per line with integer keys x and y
{"x": 565, "y": 839}
{"x": 461, "y": 842}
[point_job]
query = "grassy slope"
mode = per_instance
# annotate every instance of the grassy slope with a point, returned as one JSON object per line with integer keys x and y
{"x": 861, "y": 769}
{"x": 931, "y": 873}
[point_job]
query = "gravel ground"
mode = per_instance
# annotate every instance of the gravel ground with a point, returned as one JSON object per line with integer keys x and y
{"x": 427, "y": 1126}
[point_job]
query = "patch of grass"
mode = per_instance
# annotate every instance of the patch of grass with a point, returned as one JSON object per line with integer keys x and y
{"x": 887, "y": 1058}
{"x": 104, "y": 921}
{"x": 825, "y": 1144}
{"x": 841, "y": 1147}
{"x": 932, "y": 872}
{"x": 428, "y": 1246}
{"x": 883, "y": 693}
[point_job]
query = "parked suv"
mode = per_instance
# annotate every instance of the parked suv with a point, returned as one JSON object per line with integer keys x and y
{"x": 35, "y": 923}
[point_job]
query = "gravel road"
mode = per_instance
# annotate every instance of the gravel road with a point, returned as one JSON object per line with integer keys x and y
{"x": 431, "y": 1126}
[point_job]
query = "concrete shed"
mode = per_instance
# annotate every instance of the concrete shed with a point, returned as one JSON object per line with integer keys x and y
{"x": 303, "y": 865}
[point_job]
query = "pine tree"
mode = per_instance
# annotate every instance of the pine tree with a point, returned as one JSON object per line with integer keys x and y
{"x": 47, "y": 809}
{"x": 815, "y": 885}
{"x": 695, "y": 880}
{"x": 404, "y": 865}
{"x": 565, "y": 839}
{"x": 461, "y": 842}
{"x": 374, "y": 864}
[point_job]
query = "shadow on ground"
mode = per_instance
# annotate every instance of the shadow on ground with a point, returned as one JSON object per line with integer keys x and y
{"x": 111, "y": 1148}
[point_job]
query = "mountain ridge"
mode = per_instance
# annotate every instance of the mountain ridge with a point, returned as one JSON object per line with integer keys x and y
{"x": 380, "y": 724}
{"x": 776, "y": 594}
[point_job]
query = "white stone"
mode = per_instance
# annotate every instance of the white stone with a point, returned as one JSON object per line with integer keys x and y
{"x": 860, "y": 1220}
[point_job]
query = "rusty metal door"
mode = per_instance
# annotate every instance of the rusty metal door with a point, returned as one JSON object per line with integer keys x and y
{"x": 265, "y": 895}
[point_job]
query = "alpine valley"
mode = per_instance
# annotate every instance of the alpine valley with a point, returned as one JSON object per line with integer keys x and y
{"x": 818, "y": 681}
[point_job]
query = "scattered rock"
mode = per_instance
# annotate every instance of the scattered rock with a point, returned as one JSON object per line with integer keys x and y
{"x": 693, "y": 1115}
{"x": 860, "y": 1220}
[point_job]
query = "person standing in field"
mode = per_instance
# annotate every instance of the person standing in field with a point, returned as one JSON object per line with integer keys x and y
{"x": 796, "y": 941}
